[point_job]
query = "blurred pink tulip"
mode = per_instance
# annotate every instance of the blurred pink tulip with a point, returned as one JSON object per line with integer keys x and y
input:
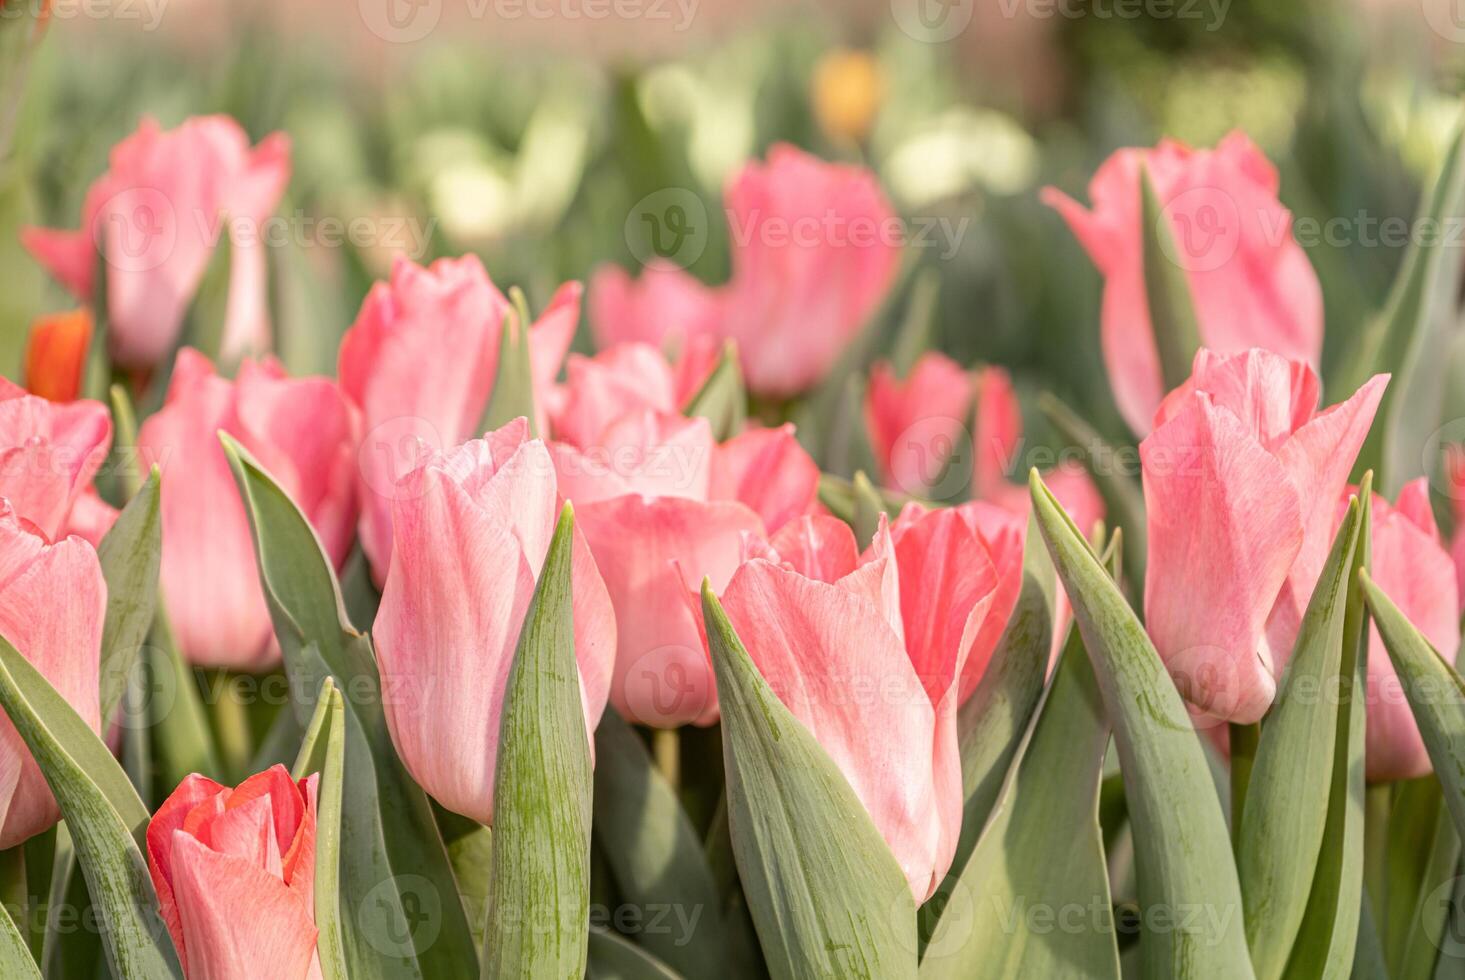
{"x": 420, "y": 363}
{"x": 827, "y": 630}
{"x": 644, "y": 495}
{"x": 997, "y": 443}
{"x": 1454, "y": 472}
{"x": 52, "y": 603}
{"x": 1409, "y": 563}
{"x": 769, "y": 471}
{"x": 812, "y": 258}
{"x": 1241, "y": 478}
{"x": 234, "y": 870}
{"x": 666, "y": 307}
{"x": 301, "y": 430}
{"x": 471, "y": 529}
{"x": 166, "y": 202}
{"x": 49, "y": 453}
{"x": 917, "y": 425}
{"x": 1250, "y": 281}
{"x": 621, "y": 379}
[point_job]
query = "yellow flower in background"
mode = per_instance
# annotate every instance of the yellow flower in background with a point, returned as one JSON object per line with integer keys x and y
{"x": 848, "y": 88}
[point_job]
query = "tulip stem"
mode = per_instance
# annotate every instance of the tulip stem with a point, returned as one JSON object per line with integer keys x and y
{"x": 231, "y": 728}
{"x": 666, "y": 746}
{"x": 1244, "y": 739}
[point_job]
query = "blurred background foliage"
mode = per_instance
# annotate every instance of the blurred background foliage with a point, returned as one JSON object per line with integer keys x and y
{"x": 529, "y": 140}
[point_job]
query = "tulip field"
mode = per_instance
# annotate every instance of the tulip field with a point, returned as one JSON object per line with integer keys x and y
{"x": 653, "y": 489}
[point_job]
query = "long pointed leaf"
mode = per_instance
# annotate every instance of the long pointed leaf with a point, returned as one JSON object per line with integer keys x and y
{"x": 324, "y": 752}
{"x": 826, "y": 894}
{"x": 107, "y": 820}
{"x": 1181, "y": 841}
{"x": 542, "y": 789}
{"x": 1167, "y": 291}
{"x": 130, "y": 555}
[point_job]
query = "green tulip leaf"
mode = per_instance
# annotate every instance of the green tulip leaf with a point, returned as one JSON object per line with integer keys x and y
{"x": 1033, "y": 900}
{"x": 826, "y": 895}
{"x": 323, "y": 751}
{"x": 107, "y": 821}
{"x": 130, "y": 555}
{"x": 1167, "y": 291}
{"x": 1189, "y": 897}
{"x": 513, "y": 388}
{"x": 722, "y": 400}
{"x": 613, "y": 957}
{"x": 542, "y": 790}
{"x": 654, "y": 852}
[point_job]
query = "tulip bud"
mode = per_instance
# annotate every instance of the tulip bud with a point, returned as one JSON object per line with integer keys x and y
{"x": 470, "y": 531}
{"x": 55, "y": 355}
{"x": 49, "y": 454}
{"x": 234, "y": 870}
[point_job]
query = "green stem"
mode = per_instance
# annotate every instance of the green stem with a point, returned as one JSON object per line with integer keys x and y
{"x": 1377, "y": 803}
{"x": 666, "y": 746}
{"x": 1244, "y": 739}
{"x": 231, "y": 726}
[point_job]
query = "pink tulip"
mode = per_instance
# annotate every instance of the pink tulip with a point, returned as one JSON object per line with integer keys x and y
{"x": 619, "y": 380}
{"x": 643, "y": 494}
{"x": 769, "y": 471}
{"x": 52, "y": 603}
{"x": 666, "y": 307}
{"x": 813, "y": 255}
{"x": 301, "y": 431}
{"x": 917, "y": 425}
{"x": 470, "y": 533}
{"x": 829, "y": 632}
{"x": 420, "y": 363}
{"x": 1408, "y": 562}
{"x": 997, "y": 442}
{"x": 49, "y": 453}
{"x": 960, "y": 575}
{"x": 234, "y": 870}
{"x": 1241, "y": 475}
{"x": 1250, "y": 282}
{"x": 166, "y": 202}
{"x": 1454, "y": 464}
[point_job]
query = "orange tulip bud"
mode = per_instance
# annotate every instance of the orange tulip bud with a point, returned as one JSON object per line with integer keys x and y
{"x": 56, "y": 354}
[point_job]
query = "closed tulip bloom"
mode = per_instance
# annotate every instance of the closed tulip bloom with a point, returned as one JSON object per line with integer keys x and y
{"x": 234, "y": 870}
{"x": 420, "y": 364}
{"x": 49, "y": 454}
{"x": 917, "y": 425}
{"x": 813, "y": 255}
{"x": 55, "y": 354}
{"x": 1409, "y": 562}
{"x": 1241, "y": 478}
{"x": 643, "y": 494}
{"x": 53, "y": 600}
{"x": 770, "y": 472}
{"x": 1250, "y": 282}
{"x": 665, "y": 307}
{"x": 471, "y": 530}
{"x": 828, "y": 631}
{"x": 166, "y": 202}
{"x": 302, "y": 431}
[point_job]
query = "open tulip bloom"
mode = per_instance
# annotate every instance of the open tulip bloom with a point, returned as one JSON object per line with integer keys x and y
{"x": 754, "y": 627}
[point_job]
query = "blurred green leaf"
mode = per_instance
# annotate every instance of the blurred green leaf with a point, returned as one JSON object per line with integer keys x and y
{"x": 825, "y": 892}
{"x": 392, "y": 861}
{"x": 722, "y": 400}
{"x": 1408, "y": 337}
{"x": 1422, "y": 856}
{"x": 15, "y": 955}
{"x": 1110, "y": 469}
{"x": 1279, "y": 847}
{"x": 1041, "y": 850}
{"x": 1182, "y": 847}
{"x": 1167, "y": 291}
{"x": 654, "y": 852}
{"x": 542, "y": 791}
{"x": 615, "y": 958}
{"x": 107, "y": 820}
{"x": 513, "y": 388}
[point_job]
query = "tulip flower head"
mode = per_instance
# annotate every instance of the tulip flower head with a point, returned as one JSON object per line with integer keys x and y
{"x": 1241, "y": 477}
{"x": 1250, "y": 282}
{"x": 234, "y": 870}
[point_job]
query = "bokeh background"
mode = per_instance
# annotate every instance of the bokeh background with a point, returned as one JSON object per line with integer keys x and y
{"x": 528, "y": 131}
